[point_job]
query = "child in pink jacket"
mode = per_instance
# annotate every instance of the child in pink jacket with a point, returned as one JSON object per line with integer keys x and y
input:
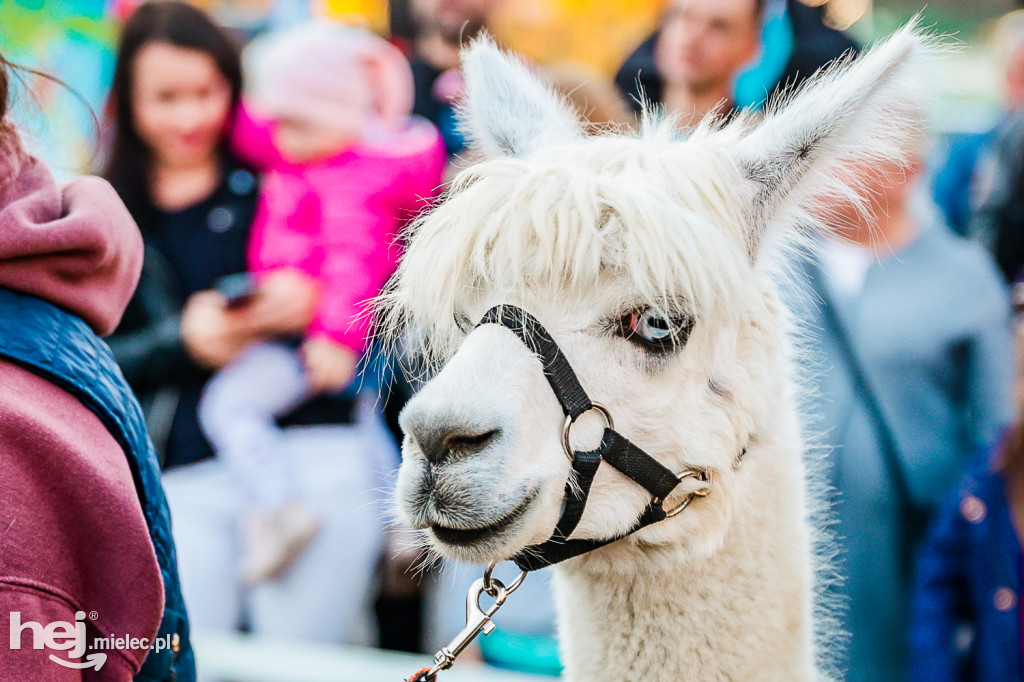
{"x": 344, "y": 168}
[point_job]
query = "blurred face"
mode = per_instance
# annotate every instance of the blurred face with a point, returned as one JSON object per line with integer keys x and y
{"x": 301, "y": 141}
{"x": 704, "y": 43}
{"x": 886, "y": 185}
{"x": 180, "y": 104}
{"x": 1015, "y": 78}
{"x": 453, "y": 19}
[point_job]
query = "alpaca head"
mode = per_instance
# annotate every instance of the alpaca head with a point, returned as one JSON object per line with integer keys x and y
{"x": 649, "y": 258}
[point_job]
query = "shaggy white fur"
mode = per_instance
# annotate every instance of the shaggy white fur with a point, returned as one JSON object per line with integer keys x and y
{"x": 582, "y": 232}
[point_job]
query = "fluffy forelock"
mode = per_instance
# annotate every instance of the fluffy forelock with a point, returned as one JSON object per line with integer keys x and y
{"x": 655, "y": 217}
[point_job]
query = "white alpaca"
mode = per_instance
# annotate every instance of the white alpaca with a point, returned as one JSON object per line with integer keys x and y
{"x": 613, "y": 243}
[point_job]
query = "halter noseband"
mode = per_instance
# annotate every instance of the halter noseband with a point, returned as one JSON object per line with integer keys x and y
{"x": 615, "y": 449}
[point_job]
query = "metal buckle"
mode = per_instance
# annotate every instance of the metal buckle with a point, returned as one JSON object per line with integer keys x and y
{"x": 702, "y": 474}
{"x": 570, "y": 420}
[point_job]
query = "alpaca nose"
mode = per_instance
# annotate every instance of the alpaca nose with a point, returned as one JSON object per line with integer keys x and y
{"x": 439, "y": 443}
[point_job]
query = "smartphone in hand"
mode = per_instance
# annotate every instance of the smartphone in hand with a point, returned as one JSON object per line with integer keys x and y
{"x": 238, "y": 289}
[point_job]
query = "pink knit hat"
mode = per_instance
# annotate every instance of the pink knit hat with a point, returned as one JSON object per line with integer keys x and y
{"x": 333, "y": 75}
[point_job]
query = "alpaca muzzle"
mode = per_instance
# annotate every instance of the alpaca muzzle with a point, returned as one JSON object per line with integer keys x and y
{"x": 615, "y": 449}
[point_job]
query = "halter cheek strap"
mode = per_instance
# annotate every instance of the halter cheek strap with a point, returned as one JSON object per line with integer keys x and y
{"x": 615, "y": 449}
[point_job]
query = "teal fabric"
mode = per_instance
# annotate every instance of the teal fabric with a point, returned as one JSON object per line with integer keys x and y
{"x": 755, "y": 84}
{"x": 63, "y": 349}
{"x": 524, "y": 652}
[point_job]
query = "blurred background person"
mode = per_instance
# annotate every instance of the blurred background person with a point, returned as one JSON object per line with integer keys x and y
{"x": 966, "y": 614}
{"x": 344, "y": 168}
{"x": 982, "y": 184}
{"x": 914, "y": 336}
{"x": 979, "y": 169}
{"x": 177, "y": 81}
{"x": 442, "y": 27}
{"x": 701, "y": 47}
{"x": 738, "y": 52}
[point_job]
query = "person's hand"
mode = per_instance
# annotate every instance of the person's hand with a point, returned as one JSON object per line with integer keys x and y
{"x": 285, "y": 304}
{"x": 209, "y": 335}
{"x": 329, "y": 365}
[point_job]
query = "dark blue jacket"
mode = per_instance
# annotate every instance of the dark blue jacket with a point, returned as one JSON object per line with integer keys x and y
{"x": 955, "y": 180}
{"x": 62, "y": 349}
{"x": 966, "y": 609}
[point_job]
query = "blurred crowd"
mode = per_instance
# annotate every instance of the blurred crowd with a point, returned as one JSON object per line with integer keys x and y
{"x": 271, "y": 192}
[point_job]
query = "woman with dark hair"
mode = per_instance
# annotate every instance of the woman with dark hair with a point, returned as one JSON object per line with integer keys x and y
{"x": 161, "y": 35}
{"x": 176, "y": 87}
{"x": 85, "y": 546}
{"x": 177, "y": 80}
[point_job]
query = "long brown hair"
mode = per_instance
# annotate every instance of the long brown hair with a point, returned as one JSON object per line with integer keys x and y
{"x": 11, "y": 151}
{"x": 163, "y": 21}
{"x": 5, "y": 83}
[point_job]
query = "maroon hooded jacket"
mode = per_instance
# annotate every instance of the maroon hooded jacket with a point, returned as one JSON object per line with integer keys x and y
{"x": 67, "y": 500}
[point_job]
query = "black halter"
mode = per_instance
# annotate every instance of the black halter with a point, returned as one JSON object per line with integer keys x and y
{"x": 615, "y": 449}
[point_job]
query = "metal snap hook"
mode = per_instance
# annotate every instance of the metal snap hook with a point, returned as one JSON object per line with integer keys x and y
{"x": 570, "y": 420}
{"x": 478, "y": 619}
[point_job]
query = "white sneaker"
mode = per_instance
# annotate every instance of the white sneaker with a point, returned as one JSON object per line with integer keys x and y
{"x": 271, "y": 542}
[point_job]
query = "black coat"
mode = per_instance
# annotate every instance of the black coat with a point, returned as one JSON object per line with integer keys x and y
{"x": 182, "y": 258}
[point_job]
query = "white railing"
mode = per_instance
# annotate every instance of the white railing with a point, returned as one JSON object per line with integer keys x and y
{"x": 237, "y": 657}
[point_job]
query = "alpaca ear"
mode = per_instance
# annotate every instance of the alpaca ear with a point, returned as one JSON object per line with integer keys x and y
{"x": 509, "y": 111}
{"x": 815, "y": 146}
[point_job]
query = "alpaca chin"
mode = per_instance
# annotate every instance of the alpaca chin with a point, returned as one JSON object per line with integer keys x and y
{"x": 480, "y": 540}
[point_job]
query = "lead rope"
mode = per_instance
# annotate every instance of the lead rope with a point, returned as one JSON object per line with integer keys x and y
{"x": 615, "y": 449}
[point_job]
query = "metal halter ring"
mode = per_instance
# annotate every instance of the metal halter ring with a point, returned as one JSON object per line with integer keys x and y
{"x": 497, "y": 590}
{"x": 490, "y": 582}
{"x": 701, "y": 474}
{"x": 570, "y": 420}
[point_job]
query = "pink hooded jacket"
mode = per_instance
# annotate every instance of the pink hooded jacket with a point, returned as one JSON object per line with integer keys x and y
{"x": 338, "y": 219}
{"x": 72, "y": 533}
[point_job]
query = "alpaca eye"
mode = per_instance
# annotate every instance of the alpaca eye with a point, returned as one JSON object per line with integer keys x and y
{"x": 650, "y": 327}
{"x": 656, "y": 331}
